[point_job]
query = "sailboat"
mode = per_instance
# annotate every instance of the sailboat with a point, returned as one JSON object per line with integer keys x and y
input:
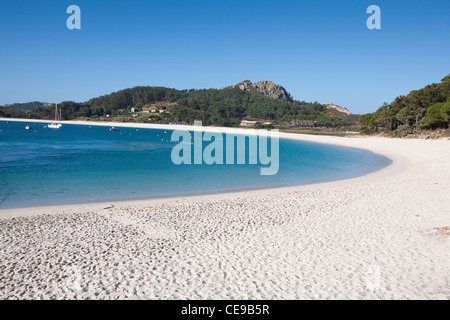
{"x": 56, "y": 125}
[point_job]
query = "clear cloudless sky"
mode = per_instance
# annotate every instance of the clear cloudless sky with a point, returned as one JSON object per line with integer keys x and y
{"x": 319, "y": 50}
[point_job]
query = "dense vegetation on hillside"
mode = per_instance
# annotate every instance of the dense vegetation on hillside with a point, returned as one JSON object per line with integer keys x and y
{"x": 214, "y": 107}
{"x": 427, "y": 108}
{"x": 24, "y": 106}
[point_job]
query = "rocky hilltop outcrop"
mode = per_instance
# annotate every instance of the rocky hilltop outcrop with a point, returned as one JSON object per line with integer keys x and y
{"x": 265, "y": 87}
{"x": 338, "y": 108}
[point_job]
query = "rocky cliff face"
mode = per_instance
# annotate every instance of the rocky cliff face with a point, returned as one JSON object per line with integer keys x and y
{"x": 267, "y": 88}
{"x": 338, "y": 108}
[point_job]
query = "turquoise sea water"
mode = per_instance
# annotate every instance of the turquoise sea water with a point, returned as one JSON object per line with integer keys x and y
{"x": 79, "y": 164}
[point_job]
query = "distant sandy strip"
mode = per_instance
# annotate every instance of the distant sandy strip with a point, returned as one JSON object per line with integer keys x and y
{"x": 385, "y": 235}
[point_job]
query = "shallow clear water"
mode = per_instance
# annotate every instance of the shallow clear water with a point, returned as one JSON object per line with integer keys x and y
{"x": 78, "y": 164}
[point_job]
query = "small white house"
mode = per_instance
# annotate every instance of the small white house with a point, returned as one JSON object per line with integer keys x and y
{"x": 248, "y": 123}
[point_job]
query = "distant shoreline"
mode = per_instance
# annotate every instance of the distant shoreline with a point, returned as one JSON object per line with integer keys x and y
{"x": 237, "y": 130}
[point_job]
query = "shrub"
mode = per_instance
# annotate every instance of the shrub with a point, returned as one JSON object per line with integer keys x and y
{"x": 365, "y": 130}
{"x": 402, "y": 130}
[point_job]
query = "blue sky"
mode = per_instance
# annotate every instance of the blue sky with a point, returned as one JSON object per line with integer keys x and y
{"x": 319, "y": 50}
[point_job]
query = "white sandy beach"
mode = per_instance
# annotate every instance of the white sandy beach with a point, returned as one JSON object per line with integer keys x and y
{"x": 382, "y": 236}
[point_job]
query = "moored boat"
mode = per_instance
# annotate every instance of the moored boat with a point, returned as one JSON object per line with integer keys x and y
{"x": 56, "y": 125}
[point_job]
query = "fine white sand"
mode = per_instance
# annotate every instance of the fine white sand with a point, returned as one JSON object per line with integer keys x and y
{"x": 384, "y": 236}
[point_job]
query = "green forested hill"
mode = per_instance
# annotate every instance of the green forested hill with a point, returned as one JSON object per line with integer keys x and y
{"x": 25, "y": 106}
{"x": 427, "y": 108}
{"x": 226, "y": 107}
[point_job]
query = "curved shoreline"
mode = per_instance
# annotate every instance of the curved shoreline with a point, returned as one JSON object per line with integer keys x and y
{"x": 396, "y": 166}
{"x": 385, "y": 235}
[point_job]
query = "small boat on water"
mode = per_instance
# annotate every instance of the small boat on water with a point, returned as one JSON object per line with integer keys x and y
{"x": 113, "y": 129}
{"x": 56, "y": 125}
{"x": 28, "y": 128}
